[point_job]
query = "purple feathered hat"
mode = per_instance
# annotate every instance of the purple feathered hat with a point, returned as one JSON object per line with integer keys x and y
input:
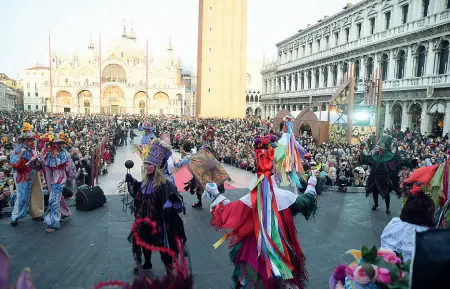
{"x": 158, "y": 153}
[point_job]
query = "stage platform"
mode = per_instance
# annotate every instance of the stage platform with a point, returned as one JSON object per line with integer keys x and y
{"x": 92, "y": 246}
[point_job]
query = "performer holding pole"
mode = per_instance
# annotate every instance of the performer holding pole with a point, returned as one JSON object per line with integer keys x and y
{"x": 288, "y": 155}
{"x": 26, "y": 177}
{"x": 263, "y": 239}
{"x": 205, "y": 168}
{"x": 156, "y": 198}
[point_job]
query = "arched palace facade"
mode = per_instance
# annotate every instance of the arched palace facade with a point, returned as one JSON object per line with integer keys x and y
{"x": 129, "y": 83}
{"x": 407, "y": 40}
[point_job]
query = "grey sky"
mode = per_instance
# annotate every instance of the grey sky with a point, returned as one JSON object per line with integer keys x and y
{"x": 25, "y": 25}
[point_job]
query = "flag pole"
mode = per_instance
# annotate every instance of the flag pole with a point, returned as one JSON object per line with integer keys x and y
{"x": 100, "y": 69}
{"x": 50, "y": 70}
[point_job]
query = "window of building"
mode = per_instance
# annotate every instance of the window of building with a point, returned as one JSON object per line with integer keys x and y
{"x": 302, "y": 81}
{"x": 303, "y": 50}
{"x": 401, "y": 62}
{"x": 372, "y": 25}
{"x": 384, "y": 66}
{"x": 357, "y": 68}
{"x": 36, "y": 94}
{"x": 347, "y": 35}
{"x": 405, "y": 9}
{"x": 387, "y": 20}
{"x": 336, "y": 38}
{"x": 421, "y": 57}
{"x": 358, "y": 30}
{"x": 344, "y": 68}
{"x": 327, "y": 41}
{"x": 325, "y": 77}
{"x": 37, "y": 106}
{"x": 210, "y": 9}
{"x": 249, "y": 78}
{"x": 369, "y": 68}
{"x": 28, "y": 85}
{"x": 210, "y": 29}
{"x": 443, "y": 57}
{"x": 309, "y": 80}
{"x": 209, "y": 89}
{"x": 28, "y": 94}
{"x": 66, "y": 81}
{"x": 448, "y": 4}
{"x": 335, "y": 73}
{"x": 35, "y": 85}
{"x": 318, "y": 45}
{"x": 210, "y": 49}
{"x": 425, "y": 7}
{"x": 29, "y": 107}
{"x": 310, "y": 48}
{"x": 317, "y": 77}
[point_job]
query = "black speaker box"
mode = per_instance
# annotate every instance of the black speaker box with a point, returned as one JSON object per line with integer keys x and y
{"x": 89, "y": 198}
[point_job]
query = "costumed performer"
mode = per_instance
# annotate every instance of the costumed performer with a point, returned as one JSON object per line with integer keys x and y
{"x": 372, "y": 269}
{"x": 205, "y": 168}
{"x": 149, "y": 134}
{"x": 156, "y": 198}
{"x": 384, "y": 170}
{"x": 171, "y": 160}
{"x": 263, "y": 239}
{"x": 288, "y": 155}
{"x": 29, "y": 198}
{"x": 58, "y": 169}
{"x": 434, "y": 180}
{"x": 417, "y": 215}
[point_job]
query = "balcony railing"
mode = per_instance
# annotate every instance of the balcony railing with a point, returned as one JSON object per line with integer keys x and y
{"x": 410, "y": 27}
{"x": 302, "y": 93}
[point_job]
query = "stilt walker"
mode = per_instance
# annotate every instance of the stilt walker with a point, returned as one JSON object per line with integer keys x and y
{"x": 58, "y": 169}
{"x": 263, "y": 239}
{"x": 26, "y": 178}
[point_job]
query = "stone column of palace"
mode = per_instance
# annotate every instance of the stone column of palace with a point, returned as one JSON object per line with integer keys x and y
{"x": 75, "y": 105}
{"x": 430, "y": 59}
{"x": 424, "y": 119}
{"x": 406, "y": 117}
{"x": 391, "y": 69}
{"x": 339, "y": 74}
{"x": 446, "y": 119}
{"x": 387, "y": 116}
{"x": 313, "y": 79}
{"x": 330, "y": 76}
{"x": 362, "y": 69}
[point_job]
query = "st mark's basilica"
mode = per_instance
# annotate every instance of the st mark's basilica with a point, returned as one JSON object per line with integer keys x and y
{"x": 120, "y": 81}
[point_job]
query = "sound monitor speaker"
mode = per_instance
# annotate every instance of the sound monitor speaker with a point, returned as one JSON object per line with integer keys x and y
{"x": 89, "y": 198}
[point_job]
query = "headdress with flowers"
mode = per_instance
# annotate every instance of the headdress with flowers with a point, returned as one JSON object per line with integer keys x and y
{"x": 373, "y": 269}
{"x": 27, "y": 131}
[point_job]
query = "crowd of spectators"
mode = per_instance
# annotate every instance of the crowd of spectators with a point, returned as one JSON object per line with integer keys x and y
{"x": 337, "y": 163}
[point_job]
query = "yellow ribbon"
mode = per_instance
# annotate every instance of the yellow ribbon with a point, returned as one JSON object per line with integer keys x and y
{"x": 221, "y": 241}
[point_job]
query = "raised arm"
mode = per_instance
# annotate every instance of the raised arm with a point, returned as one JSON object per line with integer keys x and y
{"x": 306, "y": 204}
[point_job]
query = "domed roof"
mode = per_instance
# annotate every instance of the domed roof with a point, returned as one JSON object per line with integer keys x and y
{"x": 126, "y": 47}
{"x": 132, "y": 35}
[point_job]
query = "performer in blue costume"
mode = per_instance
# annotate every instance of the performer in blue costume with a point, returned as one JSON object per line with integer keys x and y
{"x": 24, "y": 173}
{"x": 149, "y": 134}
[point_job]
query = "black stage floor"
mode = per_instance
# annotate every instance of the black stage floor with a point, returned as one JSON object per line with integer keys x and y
{"x": 92, "y": 246}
